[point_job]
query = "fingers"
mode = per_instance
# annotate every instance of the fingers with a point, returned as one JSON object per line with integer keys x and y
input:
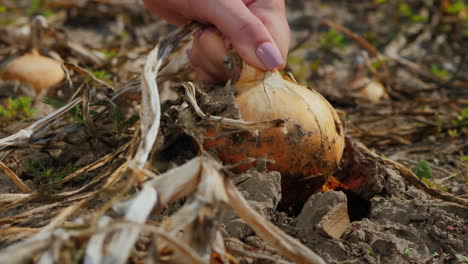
{"x": 166, "y": 13}
{"x": 247, "y": 33}
{"x": 272, "y": 13}
{"x": 257, "y": 29}
{"x": 207, "y": 56}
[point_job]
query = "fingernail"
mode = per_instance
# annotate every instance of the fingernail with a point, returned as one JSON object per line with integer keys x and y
{"x": 269, "y": 55}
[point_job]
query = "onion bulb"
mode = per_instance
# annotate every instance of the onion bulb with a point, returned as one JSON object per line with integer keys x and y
{"x": 40, "y": 71}
{"x": 309, "y": 145}
{"x": 370, "y": 90}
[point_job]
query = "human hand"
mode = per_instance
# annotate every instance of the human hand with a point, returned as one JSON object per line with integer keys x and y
{"x": 257, "y": 29}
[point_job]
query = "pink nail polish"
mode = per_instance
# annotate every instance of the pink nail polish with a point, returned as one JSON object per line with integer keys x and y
{"x": 269, "y": 55}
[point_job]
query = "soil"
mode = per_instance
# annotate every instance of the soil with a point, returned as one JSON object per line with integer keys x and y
{"x": 422, "y": 119}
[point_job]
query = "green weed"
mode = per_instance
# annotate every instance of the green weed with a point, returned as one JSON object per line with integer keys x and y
{"x": 439, "y": 72}
{"x": 17, "y": 109}
{"x": 330, "y": 40}
{"x": 404, "y": 10}
{"x": 461, "y": 119}
{"x": 48, "y": 175}
{"x": 109, "y": 54}
{"x": 423, "y": 169}
{"x": 455, "y": 8}
{"x": 34, "y": 7}
{"x": 376, "y": 65}
{"x": 100, "y": 74}
{"x": 76, "y": 112}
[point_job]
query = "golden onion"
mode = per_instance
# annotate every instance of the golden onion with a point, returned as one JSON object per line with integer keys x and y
{"x": 40, "y": 71}
{"x": 309, "y": 145}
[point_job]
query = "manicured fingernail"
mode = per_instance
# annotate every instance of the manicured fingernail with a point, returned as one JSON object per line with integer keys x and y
{"x": 269, "y": 55}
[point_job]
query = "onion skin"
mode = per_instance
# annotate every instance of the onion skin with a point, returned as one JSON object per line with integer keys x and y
{"x": 311, "y": 143}
{"x": 41, "y": 72}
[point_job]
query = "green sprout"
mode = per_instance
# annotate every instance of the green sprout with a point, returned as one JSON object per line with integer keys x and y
{"x": 48, "y": 13}
{"x": 439, "y": 72}
{"x": 371, "y": 251}
{"x": 464, "y": 158}
{"x": 423, "y": 169}
{"x": 330, "y": 40}
{"x": 462, "y": 118}
{"x": 404, "y": 10}
{"x": 100, "y": 74}
{"x": 109, "y": 53}
{"x": 123, "y": 34}
{"x": 376, "y": 65}
{"x": 33, "y": 7}
{"x": 119, "y": 121}
{"x": 17, "y": 109}
{"x": 455, "y": 8}
{"x": 45, "y": 174}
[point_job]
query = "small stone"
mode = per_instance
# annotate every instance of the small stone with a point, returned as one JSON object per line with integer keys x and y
{"x": 325, "y": 212}
{"x": 238, "y": 228}
{"x": 335, "y": 222}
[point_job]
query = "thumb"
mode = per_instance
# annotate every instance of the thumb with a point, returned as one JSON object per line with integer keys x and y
{"x": 247, "y": 33}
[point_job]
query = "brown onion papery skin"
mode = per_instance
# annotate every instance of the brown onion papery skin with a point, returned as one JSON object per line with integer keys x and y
{"x": 41, "y": 72}
{"x": 307, "y": 150}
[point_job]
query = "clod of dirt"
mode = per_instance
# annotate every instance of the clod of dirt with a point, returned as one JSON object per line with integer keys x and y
{"x": 324, "y": 212}
{"x": 41, "y": 72}
{"x": 440, "y": 225}
{"x": 263, "y": 192}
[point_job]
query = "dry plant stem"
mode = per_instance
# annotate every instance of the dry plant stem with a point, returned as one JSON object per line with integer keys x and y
{"x": 88, "y": 74}
{"x": 16, "y": 180}
{"x": 364, "y": 43}
{"x": 177, "y": 182}
{"x": 97, "y": 164}
{"x": 22, "y": 137}
{"x": 90, "y": 126}
{"x": 151, "y": 109}
{"x": 14, "y": 219}
{"x": 93, "y": 252}
{"x": 408, "y": 175}
{"x": 190, "y": 92}
{"x": 122, "y": 242}
{"x": 426, "y": 72}
{"x": 38, "y": 24}
{"x": 287, "y": 246}
{"x": 8, "y": 201}
{"x": 64, "y": 214}
{"x": 23, "y": 251}
{"x": 142, "y": 205}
